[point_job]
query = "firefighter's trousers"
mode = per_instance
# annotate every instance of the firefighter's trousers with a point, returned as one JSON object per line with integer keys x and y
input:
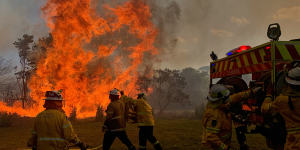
{"x": 146, "y": 133}
{"x": 109, "y": 138}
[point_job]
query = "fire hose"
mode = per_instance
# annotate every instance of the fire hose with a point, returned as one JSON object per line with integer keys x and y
{"x": 98, "y": 147}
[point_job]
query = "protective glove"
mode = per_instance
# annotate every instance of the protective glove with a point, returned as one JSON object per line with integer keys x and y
{"x": 257, "y": 89}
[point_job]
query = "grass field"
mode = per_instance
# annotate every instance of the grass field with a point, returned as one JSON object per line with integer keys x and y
{"x": 178, "y": 134}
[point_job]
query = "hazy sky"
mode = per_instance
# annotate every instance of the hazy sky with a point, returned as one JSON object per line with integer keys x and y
{"x": 18, "y": 17}
{"x": 204, "y": 25}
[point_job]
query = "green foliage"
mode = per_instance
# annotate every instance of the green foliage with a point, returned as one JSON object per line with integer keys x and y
{"x": 23, "y": 45}
{"x": 168, "y": 88}
{"x": 197, "y": 85}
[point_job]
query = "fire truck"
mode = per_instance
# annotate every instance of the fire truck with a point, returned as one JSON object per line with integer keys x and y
{"x": 267, "y": 65}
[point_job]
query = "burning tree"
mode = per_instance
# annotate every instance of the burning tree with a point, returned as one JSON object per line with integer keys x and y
{"x": 93, "y": 49}
{"x": 39, "y": 50}
{"x": 73, "y": 114}
{"x": 91, "y": 52}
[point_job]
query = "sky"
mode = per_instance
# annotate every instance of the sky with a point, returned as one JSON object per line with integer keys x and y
{"x": 203, "y": 26}
{"x": 18, "y": 17}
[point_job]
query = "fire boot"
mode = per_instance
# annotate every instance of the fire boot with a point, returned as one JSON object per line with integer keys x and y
{"x": 132, "y": 148}
{"x": 142, "y": 147}
{"x": 157, "y": 146}
{"x": 244, "y": 147}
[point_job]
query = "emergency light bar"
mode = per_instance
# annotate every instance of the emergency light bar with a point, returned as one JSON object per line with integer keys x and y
{"x": 238, "y": 50}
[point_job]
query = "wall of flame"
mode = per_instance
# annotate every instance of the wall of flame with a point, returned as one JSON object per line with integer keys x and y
{"x": 86, "y": 70}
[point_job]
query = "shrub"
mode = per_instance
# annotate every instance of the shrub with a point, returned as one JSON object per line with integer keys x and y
{"x": 6, "y": 119}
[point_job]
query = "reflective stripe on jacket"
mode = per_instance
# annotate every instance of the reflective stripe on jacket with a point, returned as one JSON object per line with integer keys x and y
{"x": 115, "y": 116}
{"x": 129, "y": 107}
{"x": 217, "y": 123}
{"x": 282, "y": 104}
{"x": 52, "y": 131}
{"x": 144, "y": 113}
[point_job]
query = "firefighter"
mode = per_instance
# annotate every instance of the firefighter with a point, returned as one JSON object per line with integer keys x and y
{"x": 145, "y": 123}
{"x": 129, "y": 106}
{"x": 114, "y": 124}
{"x": 288, "y": 104}
{"x": 216, "y": 121}
{"x": 52, "y": 130}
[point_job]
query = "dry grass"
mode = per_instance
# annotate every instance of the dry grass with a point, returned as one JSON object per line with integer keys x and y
{"x": 173, "y": 134}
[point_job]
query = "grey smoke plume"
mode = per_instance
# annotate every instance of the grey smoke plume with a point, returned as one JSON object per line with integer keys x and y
{"x": 190, "y": 29}
{"x": 165, "y": 16}
{"x": 207, "y": 25}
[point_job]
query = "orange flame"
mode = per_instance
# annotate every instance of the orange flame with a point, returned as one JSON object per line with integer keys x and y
{"x": 67, "y": 65}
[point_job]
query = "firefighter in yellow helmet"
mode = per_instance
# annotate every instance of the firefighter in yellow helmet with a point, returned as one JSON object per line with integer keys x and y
{"x": 145, "y": 122}
{"x": 52, "y": 130}
{"x": 115, "y": 124}
{"x": 288, "y": 105}
{"x": 216, "y": 121}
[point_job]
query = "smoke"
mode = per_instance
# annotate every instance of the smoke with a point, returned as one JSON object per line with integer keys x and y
{"x": 214, "y": 25}
{"x": 165, "y": 16}
{"x": 17, "y": 18}
{"x": 187, "y": 27}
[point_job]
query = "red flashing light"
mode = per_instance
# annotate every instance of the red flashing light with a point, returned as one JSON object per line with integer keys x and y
{"x": 244, "y": 47}
{"x": 239, "y": 49}
{"x": 268, "y": 47}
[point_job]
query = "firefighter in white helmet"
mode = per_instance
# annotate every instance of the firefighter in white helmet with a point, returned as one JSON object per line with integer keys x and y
{"x": 52, "y": 130}
{"x": 115, "y": 124}
{"x": 288, "y": 105}
{"x": 216, "y": 121}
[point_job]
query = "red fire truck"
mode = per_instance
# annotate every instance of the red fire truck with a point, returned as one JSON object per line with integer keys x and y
{"x": 267, "y": 65}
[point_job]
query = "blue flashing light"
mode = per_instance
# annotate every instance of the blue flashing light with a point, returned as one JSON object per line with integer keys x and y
{"x": 229, "y": 53}
{"x": 213, "y": 64}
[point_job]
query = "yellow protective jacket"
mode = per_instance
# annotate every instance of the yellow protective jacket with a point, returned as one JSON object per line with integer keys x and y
{"x": 217, "y": 124}
{"x": 52, "y": 131}
{"x": 129, "y": 106}
{"x": 115, "y": 116}
{"x": 291, "y": 117}
{"x": 144, "y": 113}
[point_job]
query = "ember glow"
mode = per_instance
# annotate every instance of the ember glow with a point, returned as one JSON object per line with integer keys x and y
{"x": 88, "y": 57}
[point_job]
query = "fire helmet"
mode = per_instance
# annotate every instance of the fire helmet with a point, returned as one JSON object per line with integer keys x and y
{"x": 54, "y": 96}
{"x": 114, "y": 92}
{"x": 293, "y": 76}
{"x": 218, "y": 92}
